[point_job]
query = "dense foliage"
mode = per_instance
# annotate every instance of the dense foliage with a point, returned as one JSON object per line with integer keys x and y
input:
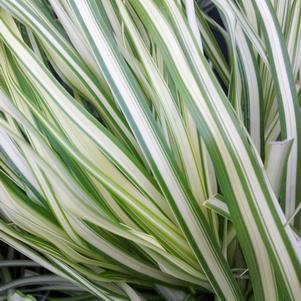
{"x": 150, "y": 150}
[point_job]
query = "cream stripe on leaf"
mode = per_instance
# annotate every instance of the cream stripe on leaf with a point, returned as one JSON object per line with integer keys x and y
{"x": 287, "y": 101}
{"x": 132, "y": 102}
{"x": 71, "y": 65}
{"x": 239, "y": 168}
{"x": 99, "y": 135}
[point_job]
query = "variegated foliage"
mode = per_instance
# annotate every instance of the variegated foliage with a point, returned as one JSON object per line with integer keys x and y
{"x": 137, "y": 155}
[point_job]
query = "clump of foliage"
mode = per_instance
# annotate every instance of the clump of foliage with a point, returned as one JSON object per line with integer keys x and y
{"x": 139, "y": 160}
